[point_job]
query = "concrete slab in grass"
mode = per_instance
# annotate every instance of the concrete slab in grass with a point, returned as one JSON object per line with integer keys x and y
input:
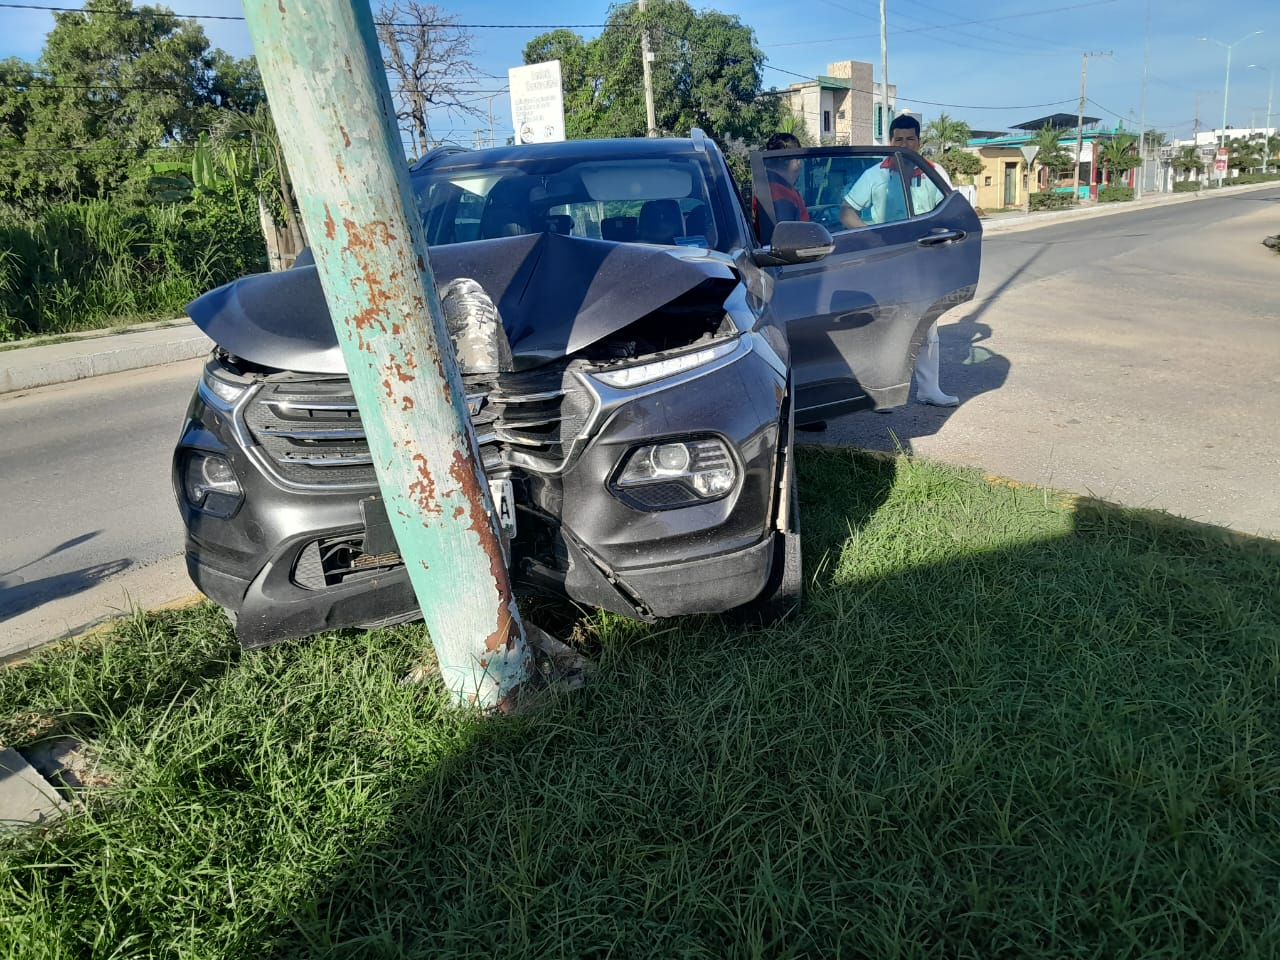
{"x": 26, "y": 798}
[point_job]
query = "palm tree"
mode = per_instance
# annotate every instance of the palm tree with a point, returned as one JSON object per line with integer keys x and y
{"x": 1245, "y": 154}
{"x": 261, "y": 131}
{"x": 1052, "y": 155}
{"x": 1187, "y": 161}
{"x": 1119, "y": 154}
{"x": 943, "y": 133}
{"x": 793, "y": 123}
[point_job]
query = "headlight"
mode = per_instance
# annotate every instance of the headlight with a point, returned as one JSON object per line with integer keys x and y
{"x": 661, "y": 476}
{"x": 221, "y": 392}
{"x": 210, "y": 485}
{"x": 642, "y": 373}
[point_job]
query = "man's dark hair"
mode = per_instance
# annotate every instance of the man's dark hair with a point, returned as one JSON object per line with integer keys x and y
{"x": 905, "y": 122}
{"x": 783, "y": 141}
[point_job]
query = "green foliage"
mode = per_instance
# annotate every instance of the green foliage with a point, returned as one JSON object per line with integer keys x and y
{"x": 1119, "y": 154}
{"x": 961, "y": 165}
{"x": 1113, "y": 194}
{"x": 1052, "y": 156}
{"x": 1186, "y": 186}
{"x": 1051, "y": 200}
{"x": 78, "y": 266}
{"x": 944, "y": 133}
{"x": 111, "y": 84}
{"x": 1245, "y": 155}
{"x": 1187, "y": 161}
{"x": 707, "y": 72}
{"x": 1247, "y": 178}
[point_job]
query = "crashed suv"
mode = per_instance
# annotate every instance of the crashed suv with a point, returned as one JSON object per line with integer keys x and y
{"x": 657, "y": 346}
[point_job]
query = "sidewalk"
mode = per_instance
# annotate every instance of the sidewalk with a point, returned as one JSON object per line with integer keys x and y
{"x": 151, "y": 344}
{"x": 100, "y": 352}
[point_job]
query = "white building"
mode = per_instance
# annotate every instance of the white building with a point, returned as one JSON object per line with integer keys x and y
{"x": 841, "y": 106}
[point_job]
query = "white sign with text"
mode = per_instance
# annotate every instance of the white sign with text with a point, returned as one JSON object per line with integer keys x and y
{"x": 537, "y": 102}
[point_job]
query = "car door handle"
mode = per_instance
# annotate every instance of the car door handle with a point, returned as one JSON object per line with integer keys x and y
{"x": 943, "y": 236}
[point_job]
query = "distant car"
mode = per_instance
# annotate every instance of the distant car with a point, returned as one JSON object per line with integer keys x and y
{"x": 635, "y": 360}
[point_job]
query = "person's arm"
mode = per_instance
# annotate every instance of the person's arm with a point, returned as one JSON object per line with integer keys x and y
{"x": 858, "y": 198}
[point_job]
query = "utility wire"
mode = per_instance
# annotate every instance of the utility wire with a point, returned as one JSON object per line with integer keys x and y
{"x": 213, "y": 16}
{"x": 958, "y": 23}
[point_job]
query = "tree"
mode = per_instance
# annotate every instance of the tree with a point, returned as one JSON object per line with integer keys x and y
{"x": 1052, "y": 157}
{"x": 707, "y": 72}
{"x": 1119, "y": 154}
{"x": 111, "y": 83}
{"x": 260, "y": 130}
{"x": 1245, "y": 154}
{"x": 429, "y": 56}
{"x": 1153, "y": 140}
{"x": 943, "y": 133}
{"x": 1187, "y": 161}
{"x": 961, "y": 165}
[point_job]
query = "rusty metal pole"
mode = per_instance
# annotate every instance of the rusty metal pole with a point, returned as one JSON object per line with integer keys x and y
{"x": 324, "y": 78}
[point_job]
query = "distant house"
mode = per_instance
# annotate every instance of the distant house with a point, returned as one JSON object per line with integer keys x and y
{"x": 841, "y": 106}
{"x": 1003, "y": 180}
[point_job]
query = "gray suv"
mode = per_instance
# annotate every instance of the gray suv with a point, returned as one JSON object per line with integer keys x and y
{"x": 636, "y": 361}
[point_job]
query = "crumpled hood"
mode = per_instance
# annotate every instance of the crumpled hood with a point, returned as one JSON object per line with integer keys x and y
{"x": 557, "y": 294}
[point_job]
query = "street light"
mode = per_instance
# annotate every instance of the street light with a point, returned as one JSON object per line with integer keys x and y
{"x": 1222, "y": 140}
{"x": 1266, "y": 137}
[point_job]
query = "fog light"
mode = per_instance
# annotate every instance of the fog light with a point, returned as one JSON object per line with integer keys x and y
{"x": 670, "y": 458}
{"x": 210, "y": 485}
{"x": 703, "y": 469}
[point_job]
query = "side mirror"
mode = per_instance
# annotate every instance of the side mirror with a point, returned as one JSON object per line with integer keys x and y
{"x": 799, "y": 241}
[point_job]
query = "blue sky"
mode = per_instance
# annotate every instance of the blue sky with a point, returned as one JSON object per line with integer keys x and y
{"x": 991, "y": 64}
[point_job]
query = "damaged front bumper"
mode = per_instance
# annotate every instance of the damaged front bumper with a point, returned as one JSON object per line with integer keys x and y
{"x": 292, "y": 559}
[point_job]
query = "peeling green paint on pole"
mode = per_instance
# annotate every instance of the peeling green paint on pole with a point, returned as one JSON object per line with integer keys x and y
{"x": 328, "y": 92}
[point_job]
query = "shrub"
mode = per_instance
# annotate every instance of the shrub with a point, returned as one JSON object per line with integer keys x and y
{"x": 1186, "y": 186}
{"x": 1115, "y": 194}
{"x": 100, "y": 263}
{"x": 1052, "y": 201}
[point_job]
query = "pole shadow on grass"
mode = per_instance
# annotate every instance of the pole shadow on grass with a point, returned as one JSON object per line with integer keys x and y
{"x": 18, "y": 595}
{"x": 1051, "y": 742}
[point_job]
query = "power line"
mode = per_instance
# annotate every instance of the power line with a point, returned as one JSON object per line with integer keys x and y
{"x": 214, "y": 16}
{"x": 947, "y": 26}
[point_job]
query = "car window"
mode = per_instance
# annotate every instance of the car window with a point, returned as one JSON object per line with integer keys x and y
{"x": 637, "y": 200}
{"x": 848, "y": 191}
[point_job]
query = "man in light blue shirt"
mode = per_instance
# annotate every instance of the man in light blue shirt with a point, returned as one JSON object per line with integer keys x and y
{"x": 878, "y": 197}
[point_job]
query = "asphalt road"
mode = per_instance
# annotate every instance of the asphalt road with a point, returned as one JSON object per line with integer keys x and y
{"x": 1135, "y": 357}
{"x": 90, "y": 522}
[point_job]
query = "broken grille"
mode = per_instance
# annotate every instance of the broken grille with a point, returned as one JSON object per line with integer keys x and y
{"x": 311, "y": 432}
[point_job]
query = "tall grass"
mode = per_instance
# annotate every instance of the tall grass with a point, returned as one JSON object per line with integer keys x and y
{"x": 99, "y": 263}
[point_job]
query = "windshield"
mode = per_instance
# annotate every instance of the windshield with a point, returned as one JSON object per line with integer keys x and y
{"x": 630, "y": 199}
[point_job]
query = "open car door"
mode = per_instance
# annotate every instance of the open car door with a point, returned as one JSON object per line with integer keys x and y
{"x": 907, "y": 249}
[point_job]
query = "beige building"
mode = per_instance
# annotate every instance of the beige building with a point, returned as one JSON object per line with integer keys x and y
{"x": 842, "y": 106}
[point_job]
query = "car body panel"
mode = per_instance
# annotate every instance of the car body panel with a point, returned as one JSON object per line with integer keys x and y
{"x": 856, "y": 319}
{"x": 555, "y": 294}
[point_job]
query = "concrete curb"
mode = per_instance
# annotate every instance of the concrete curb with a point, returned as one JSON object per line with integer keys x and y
{"x": 1010, "y": 223}
{"x": 148, "y": 345}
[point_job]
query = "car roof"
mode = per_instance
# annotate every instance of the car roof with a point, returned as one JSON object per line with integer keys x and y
{"x": 583, "y": 149}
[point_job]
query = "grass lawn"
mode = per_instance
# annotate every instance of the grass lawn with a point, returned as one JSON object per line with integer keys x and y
{"x": 1005, "y": 724}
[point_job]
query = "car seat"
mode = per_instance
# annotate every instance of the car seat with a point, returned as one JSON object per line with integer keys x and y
{"x": 560, "y": 223}
{"x": 660, "y": 222}
{"x": 621, "y": 229}
{"x": 501, "y": 220}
